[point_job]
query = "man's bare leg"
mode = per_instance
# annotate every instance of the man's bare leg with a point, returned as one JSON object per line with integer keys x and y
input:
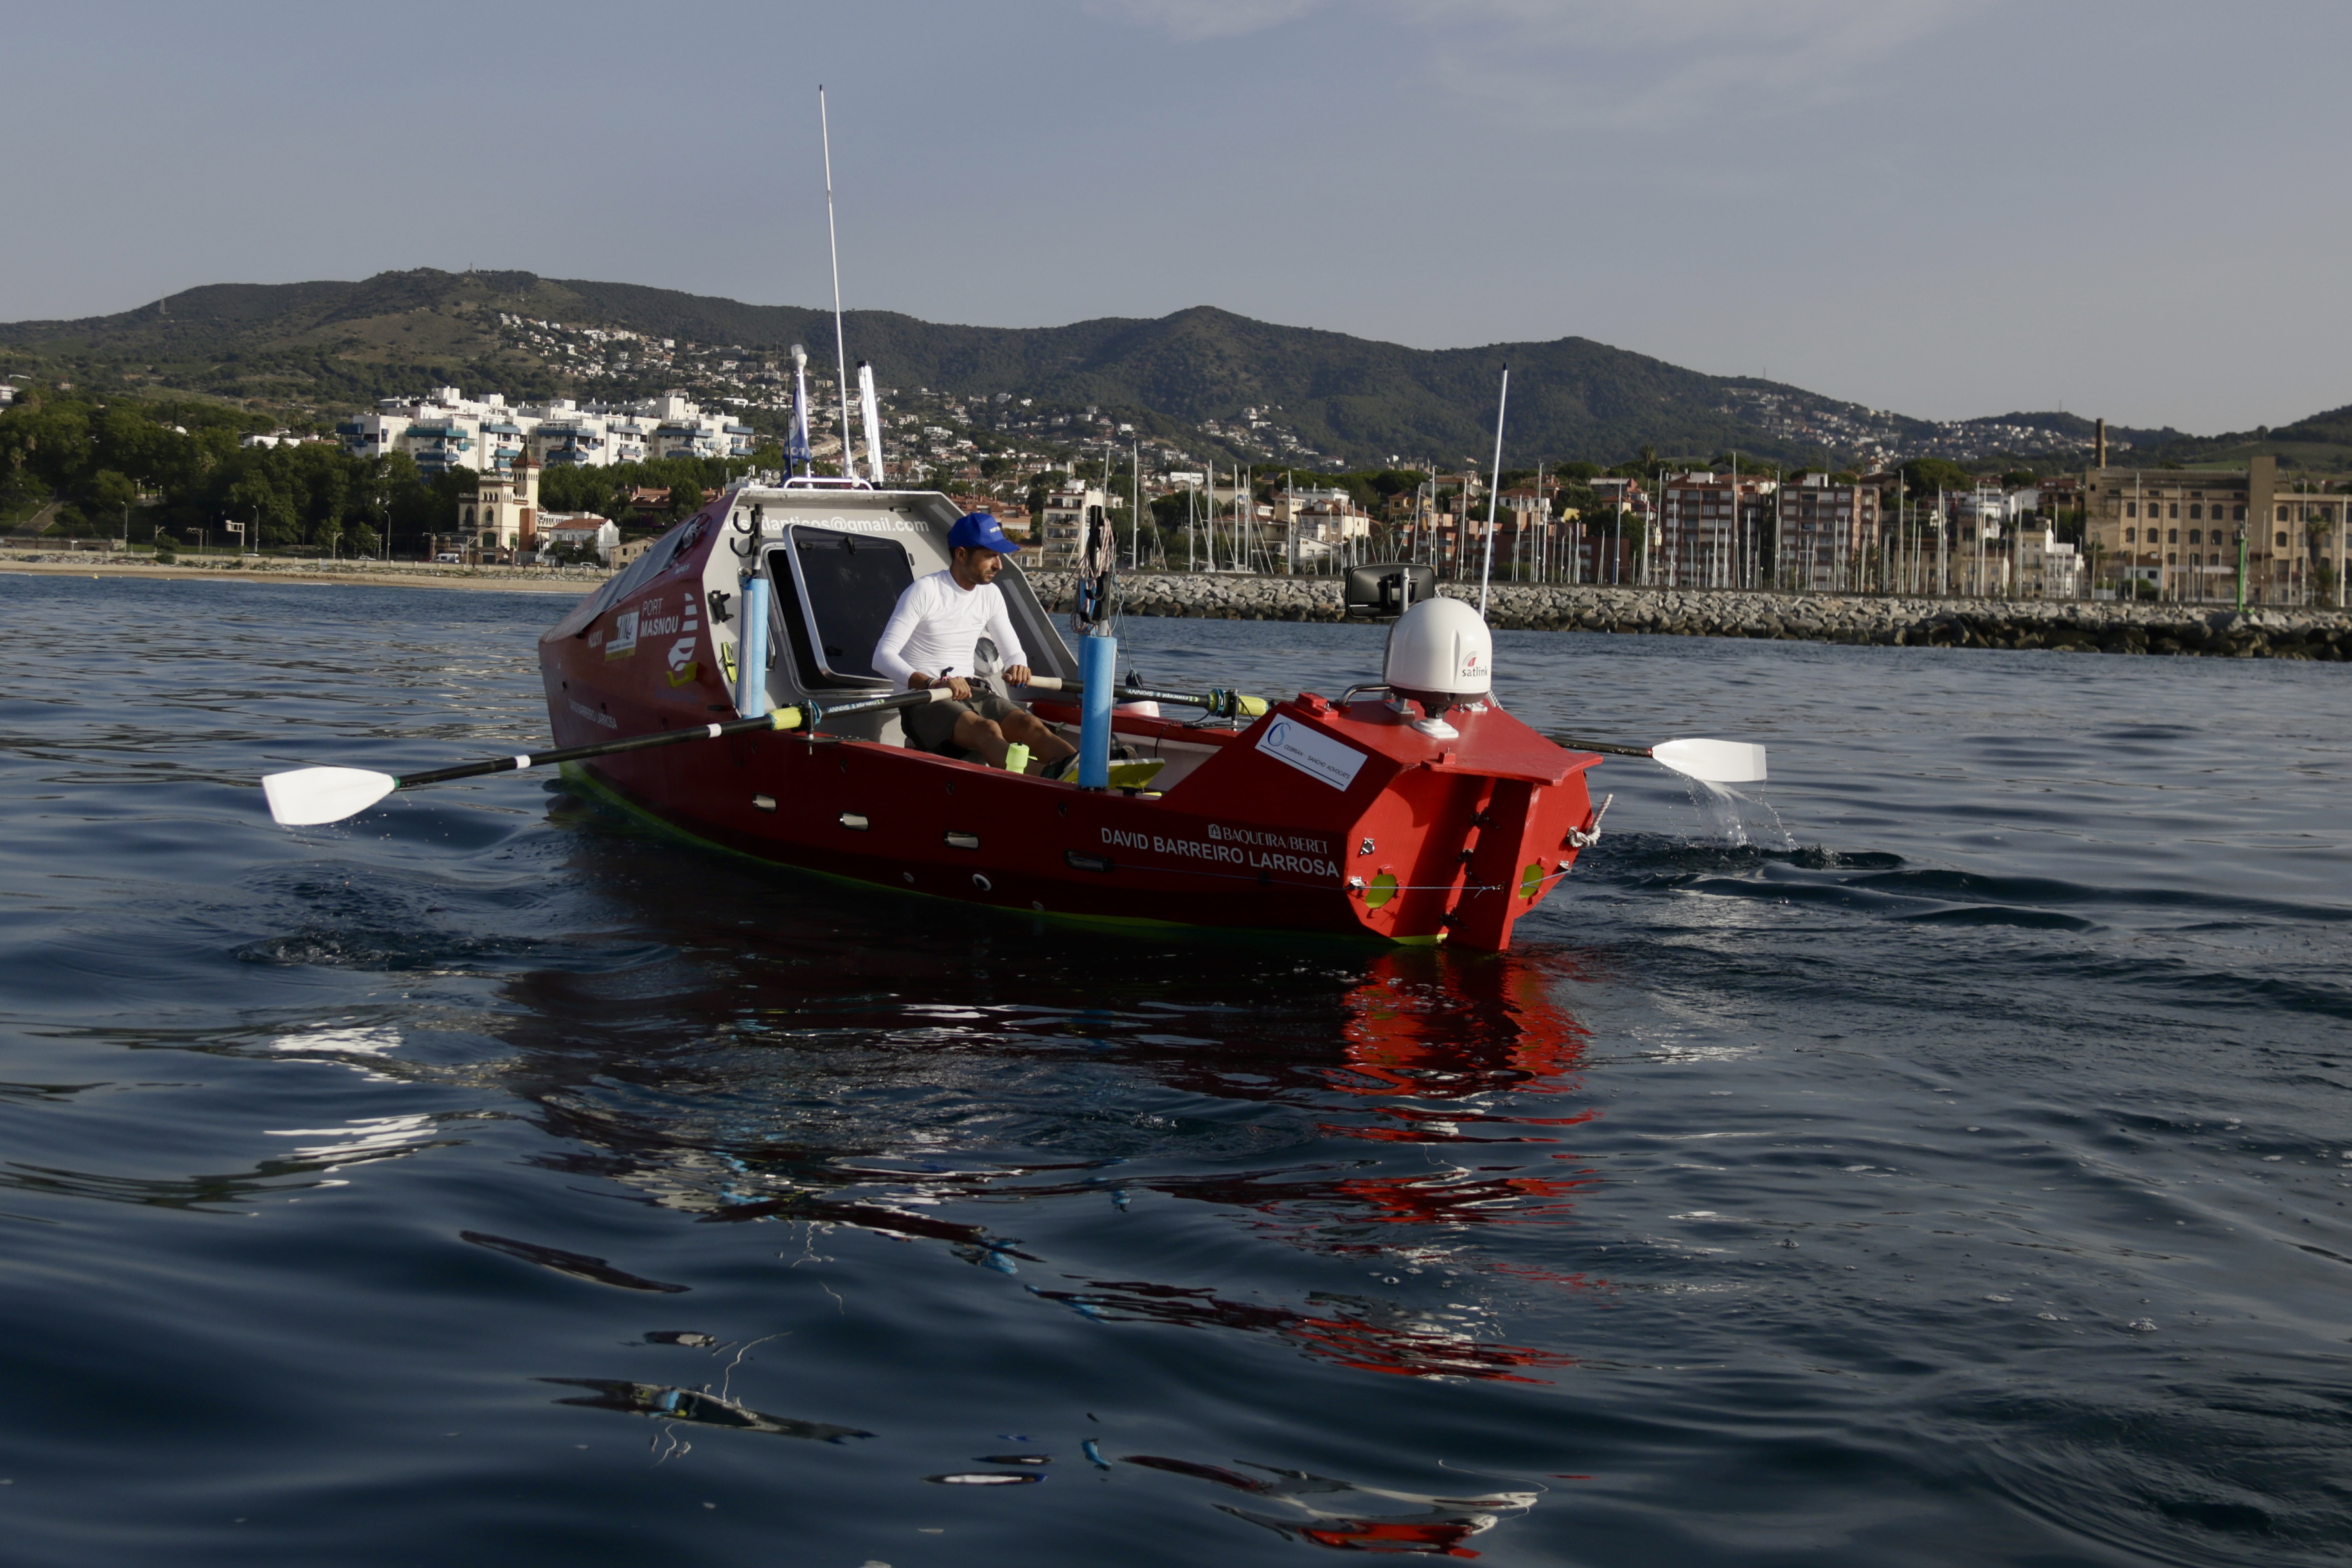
{"x": 988, "y": 740}
{"x": 1045, "y": 745}
{"x": 983, "y": 737}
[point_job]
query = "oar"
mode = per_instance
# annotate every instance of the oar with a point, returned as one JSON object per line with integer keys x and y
{"x": 1710, "y": 762}
{"x": 309, "y": 797}
{"x": 1220, "y": 702}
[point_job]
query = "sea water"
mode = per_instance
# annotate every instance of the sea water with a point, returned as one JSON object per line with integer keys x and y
{"x": 1937, "y": 1155}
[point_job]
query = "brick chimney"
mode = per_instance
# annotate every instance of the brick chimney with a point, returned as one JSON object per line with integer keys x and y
{"x": 2101, "y": 459}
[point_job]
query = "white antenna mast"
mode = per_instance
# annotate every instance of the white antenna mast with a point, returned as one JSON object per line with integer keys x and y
{"x": 832, "y": 240}
{"x": 1493, "y": 489}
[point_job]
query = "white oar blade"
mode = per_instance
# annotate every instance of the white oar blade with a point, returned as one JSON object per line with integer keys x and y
{"x": 309, "y": 797}
{"x": 1715, "y": 762}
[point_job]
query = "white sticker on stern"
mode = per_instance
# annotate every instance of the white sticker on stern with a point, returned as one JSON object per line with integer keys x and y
{"x": 1311, "y": 752}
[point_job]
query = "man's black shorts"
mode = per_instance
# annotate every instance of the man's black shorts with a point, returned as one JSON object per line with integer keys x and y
{"x": 932, "y": 725}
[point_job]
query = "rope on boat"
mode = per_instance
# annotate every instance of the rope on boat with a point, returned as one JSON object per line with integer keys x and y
{"x": 1586, "y": 836}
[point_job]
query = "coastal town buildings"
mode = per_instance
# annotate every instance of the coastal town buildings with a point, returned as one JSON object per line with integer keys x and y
{"x": 1321, "y": 524}
{"x": 1715, "y": 529}
{"x": 280, "y": 437}
{"x": 2175, "y": 534}
{"x": 502, "y": 520}
{"x": 578, "y": 535}
{"x": 1062, "y": 527}
{"x": 1010, "y": 516}
{"x": 2044, "y": 566}
{"x": 568, "y": 437}
{"x": 501, "y": 523}
{"x": 448, "y": 430}
{"x": 1618, "y": 534}
{"x": 1824, "y": 533}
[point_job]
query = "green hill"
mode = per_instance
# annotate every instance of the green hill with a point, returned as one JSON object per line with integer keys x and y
{"x": 323, "y": 347}
{"x": 2321, "y": 444}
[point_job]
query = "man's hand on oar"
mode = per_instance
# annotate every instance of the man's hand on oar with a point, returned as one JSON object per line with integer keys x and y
{"x": 307, "y": 797}
{"x": 1709, "y": 761}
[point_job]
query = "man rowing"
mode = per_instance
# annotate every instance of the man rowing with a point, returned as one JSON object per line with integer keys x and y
{"x": 929, "y": 640}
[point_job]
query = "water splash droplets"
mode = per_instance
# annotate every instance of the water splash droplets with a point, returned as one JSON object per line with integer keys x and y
{"x": 1736, "y": 818}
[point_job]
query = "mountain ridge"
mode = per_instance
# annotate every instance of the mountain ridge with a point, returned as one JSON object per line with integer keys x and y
{"x": 1188, "y": 374}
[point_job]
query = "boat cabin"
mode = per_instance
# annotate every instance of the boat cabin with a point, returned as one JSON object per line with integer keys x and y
{"x": 836, "y": 558}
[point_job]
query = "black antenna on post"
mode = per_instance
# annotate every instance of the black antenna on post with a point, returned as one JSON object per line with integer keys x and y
{"x": 1486, "y": 567}
{"x": 840, "y": 350}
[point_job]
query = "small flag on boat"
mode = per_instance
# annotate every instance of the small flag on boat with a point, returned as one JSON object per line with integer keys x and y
{"x": 796, "y": 449}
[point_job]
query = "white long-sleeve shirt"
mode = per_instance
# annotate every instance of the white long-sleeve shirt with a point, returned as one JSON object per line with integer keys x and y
{"x": 934, "y": 626}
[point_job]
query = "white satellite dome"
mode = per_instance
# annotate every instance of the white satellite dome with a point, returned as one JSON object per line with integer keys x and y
{"x": 1441, "y": 648}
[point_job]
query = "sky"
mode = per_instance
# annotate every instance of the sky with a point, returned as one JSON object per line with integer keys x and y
{"x": 1949, "y": 209}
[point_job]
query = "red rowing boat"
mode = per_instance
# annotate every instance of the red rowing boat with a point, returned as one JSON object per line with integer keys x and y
{"x": 1416, "y": 812}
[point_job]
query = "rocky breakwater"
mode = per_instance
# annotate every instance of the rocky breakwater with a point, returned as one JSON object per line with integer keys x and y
{"x": 2064, "y": 626}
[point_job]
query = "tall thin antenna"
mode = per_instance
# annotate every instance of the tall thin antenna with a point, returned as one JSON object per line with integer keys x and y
{"x": 1493, "y": 489}
{"x": 840, "y": 352}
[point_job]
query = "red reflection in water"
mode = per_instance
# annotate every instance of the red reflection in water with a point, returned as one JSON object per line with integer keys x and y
{"x": 1422, "y": 1198}
{"x": 1432, "y": 1025}
{"x": 1405, "y": 1348}
{"x": 1438, "y": 1530}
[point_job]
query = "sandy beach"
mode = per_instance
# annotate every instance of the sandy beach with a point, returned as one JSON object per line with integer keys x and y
{"x": 380, "y": 574}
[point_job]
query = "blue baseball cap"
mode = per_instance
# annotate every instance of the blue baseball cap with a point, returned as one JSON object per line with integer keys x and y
{"x": 979, "y": 531}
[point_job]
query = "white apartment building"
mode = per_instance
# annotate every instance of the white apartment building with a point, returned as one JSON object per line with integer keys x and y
{"x": 570, "y": 437}
{"x": 1061, "y": 532}
{"x": 449, "y": 429}
{"x": 1325, "y": 517}
{"x": 2044, "y": 567}
{"x": 1319, "y": 523}
{"x": 579, "y": 530}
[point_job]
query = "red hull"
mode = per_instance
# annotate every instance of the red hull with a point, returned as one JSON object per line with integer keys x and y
{"x": 1454, "y": 840}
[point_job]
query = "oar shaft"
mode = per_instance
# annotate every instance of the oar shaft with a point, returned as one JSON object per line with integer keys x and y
{"x": 1612, "y": 750}
{"x": 809, "y": 714}
{"x": 1217, "y": 700}
{"x": 779, "y": 718}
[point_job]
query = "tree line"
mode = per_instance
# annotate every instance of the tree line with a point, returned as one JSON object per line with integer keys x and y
{"x": 166, "y": 472}
{"x": 141, "y": 468}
